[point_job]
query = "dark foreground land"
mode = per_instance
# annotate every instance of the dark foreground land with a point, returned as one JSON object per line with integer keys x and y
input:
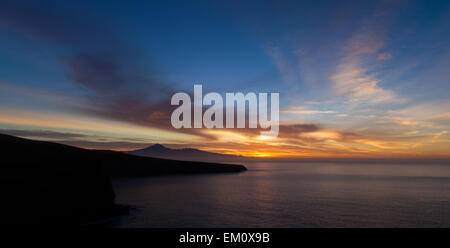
{"x": 50, "y": 183}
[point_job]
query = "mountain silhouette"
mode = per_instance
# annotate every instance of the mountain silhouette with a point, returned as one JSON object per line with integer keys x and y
{"x": 190, "y": 154}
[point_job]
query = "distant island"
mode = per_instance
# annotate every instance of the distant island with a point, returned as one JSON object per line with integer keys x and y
{"x": 189, "y": 154}
{"x": 47, "y": 182}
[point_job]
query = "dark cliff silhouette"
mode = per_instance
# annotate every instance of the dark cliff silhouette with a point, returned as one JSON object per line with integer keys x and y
{"x": 50, "y": 183}
{"x": 190, "y": 154}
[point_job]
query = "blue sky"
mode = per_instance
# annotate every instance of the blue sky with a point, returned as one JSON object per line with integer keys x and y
{"x": 367, "y": 68}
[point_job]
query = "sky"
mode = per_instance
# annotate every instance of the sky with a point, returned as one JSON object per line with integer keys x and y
{"x": 356, "y": 78}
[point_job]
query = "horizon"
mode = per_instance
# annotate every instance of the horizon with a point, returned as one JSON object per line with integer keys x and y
{"x": 242, "y": 159}
{"x": 355, "y": 80}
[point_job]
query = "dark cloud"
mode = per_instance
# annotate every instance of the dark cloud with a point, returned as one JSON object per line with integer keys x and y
{"x": 116, "y": 75}
{"x": 121, "y": 84}
{"x": 42, "y": 134}
{"x": 295, "y": 129}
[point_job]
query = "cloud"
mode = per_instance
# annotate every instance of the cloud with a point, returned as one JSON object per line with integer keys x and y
{"x": 339, "y": 66}
{"x": 353, "y": 79}
{"x": 105, "y": 73}
{"x": 359, "y": 86}
{"x": 384, "y": 56}
{"x": 314, "y": 140}
{"x": 288, "y": 130}
{"x": 119, "y": 82}
{"x": 312, "y": 102}
{"x": 431, "y": 112}
{"x": 288, "y": 71}
{"x": 301, "y": 111}
{"x": 323, "y": 135}
{"x": 364, "y": 43}
{"x": 43, "y": 134}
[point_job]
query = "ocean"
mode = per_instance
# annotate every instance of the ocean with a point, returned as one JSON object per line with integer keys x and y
{"x": 292, "y": 195}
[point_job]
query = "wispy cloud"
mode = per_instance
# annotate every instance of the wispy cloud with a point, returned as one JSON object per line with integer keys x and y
{"x": 303, "y": 111}
{"x": 384, "y": 56}
{"x": 358, "y": 86}
{"x": 355, "y": 78}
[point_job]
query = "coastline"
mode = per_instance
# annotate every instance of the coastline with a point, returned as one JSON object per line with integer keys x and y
{"x": 49, "y": 183}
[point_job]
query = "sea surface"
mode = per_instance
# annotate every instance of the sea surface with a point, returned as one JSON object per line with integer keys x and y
{"x": 293, "y": 195}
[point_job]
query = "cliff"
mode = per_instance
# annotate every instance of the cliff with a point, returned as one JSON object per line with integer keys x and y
{"x": 50, "y": 183}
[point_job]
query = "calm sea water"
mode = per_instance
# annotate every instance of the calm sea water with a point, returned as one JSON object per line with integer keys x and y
{"x": 293, "y": 195}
